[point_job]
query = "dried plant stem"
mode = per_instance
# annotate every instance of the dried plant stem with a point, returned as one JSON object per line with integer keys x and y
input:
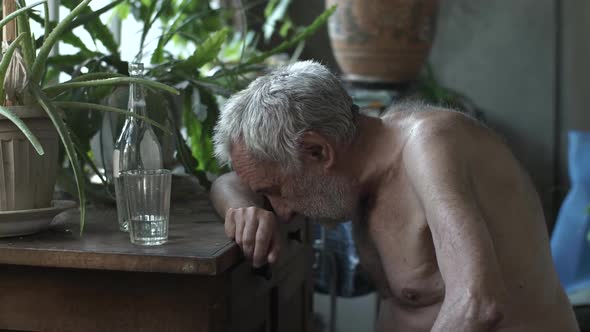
{"x": 9, "y": 30}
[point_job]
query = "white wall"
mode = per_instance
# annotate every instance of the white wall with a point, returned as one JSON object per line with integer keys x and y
{"x": 502, "y": 54}
{"x": 575, "y": 76}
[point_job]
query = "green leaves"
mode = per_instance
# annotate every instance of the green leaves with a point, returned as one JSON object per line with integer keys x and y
{"x": 68, "y": 104}
{"x": 274, "y": 12}
{"x": 71, "y": 39}
{"x": 55, "y": 90}
{"x": 184, "y": 22}
{"x": 18, "y": 13}
{"x": 40, "y": 63}
{"x": 28, "y": 47}
{"x": 286, "y": 27}
{"x": 432, "y": 90}
{"x": 95, "y": 76}
{"x": 207, "y": 51}
{"x": 146, "y": 16}
{"x": 97, "y": 107}
{"x": 23, "y": 127}
{"x": 200, "y": 119}
{"x": 63, "y": 63}
{"x": 123, "y": 10}
{"x": 46, "y": 23}
{"x": 302, "y": 35}
{"x": 91, "y": 21}
{"x": 68, "y": 144}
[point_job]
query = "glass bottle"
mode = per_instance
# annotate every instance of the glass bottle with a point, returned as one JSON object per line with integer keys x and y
{"x": 137, "y": 147}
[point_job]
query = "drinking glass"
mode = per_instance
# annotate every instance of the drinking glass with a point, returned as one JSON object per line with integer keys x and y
{"x": 147, "y": 193}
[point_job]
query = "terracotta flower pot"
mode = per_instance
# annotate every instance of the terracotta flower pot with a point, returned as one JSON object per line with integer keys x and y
{"x": 27, "y": 179}
{"x": 384, "y": 41}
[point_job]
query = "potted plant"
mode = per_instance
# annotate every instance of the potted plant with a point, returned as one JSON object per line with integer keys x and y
{"x": 225, "y": 59}
{"x": 32, "y": 109}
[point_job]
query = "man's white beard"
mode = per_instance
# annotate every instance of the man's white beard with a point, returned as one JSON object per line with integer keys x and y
{"x": 324, "y": 197}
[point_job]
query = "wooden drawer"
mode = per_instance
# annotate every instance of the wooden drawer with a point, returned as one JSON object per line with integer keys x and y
{"x": 292, "y": 302}
{"x": 278, "y": 300}
{"x": 295, "y": 237}
{"x": 249, "y": 299}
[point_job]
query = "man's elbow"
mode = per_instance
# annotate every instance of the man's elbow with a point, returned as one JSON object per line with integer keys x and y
{"x": 489, "y": 312}
{"x": 482, "y": 306}
{"x": 223, "y": 183}
{"x": 219, "y": 190}
{"x": 492, "y": 316}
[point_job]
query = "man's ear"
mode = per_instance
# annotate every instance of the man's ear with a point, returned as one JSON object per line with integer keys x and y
{"x": 315, "y": 148}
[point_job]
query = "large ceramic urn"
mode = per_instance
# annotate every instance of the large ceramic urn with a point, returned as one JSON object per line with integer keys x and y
{"x": 382, "y": 41}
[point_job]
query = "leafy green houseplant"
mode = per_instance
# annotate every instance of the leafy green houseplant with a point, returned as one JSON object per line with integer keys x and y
{"x": 226, "y": 57}
{"x": 24, "y": 65}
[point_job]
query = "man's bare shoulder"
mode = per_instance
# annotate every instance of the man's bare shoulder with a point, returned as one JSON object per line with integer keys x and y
{"x": 437, "y": 126}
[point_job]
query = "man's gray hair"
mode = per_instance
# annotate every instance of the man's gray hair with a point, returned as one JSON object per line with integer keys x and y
{"x": 272, "y": 113}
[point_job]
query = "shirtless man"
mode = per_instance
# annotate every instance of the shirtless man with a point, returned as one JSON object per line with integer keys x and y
{"x": 446, "y": 221}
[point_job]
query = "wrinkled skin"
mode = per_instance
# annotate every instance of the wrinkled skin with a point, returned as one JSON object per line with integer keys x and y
{"x": 446, "y": 221}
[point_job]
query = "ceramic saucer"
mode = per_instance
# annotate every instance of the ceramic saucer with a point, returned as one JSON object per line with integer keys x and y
{"x": 24, "y": 222}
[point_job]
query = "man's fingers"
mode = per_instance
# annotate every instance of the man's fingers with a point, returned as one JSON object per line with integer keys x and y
{"x": 255, "y": 232}
{"x": 230, "y": 224}
{"x": 263, "y": 240}
{"x": 249, "y": 237}
{"x": 240, "y": 224}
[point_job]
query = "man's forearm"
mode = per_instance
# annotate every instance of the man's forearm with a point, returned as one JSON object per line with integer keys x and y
{"x": 228, "y": 192}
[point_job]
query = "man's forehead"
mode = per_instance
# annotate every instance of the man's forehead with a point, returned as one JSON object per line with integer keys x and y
{"x": 248, "y": 168}
{"x": 241, "y": 158}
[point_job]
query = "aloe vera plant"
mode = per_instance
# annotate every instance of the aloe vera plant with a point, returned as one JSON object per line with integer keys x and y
{"x": 46, "y": 96}
{"x": 225, "y": 58}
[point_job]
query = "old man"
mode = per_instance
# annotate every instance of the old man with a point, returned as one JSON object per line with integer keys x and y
{"x": 446, "y": 221}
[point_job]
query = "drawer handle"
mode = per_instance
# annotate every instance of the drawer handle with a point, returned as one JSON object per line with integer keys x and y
{"x": 263, "y": 271}
{"x": 295, "y": 236}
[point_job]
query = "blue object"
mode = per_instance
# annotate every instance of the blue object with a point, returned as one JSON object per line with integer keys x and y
{"x": 569, "y": 244}
{"x": 337, "y": 268}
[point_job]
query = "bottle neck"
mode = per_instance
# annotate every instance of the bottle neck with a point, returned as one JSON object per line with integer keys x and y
{"x": 137, "y": 103}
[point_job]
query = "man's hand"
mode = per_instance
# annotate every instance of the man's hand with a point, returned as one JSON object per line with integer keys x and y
{"x": 256, "y": 231}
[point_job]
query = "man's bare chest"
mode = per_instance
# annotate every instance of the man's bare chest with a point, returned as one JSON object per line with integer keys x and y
{"x": 396, "y": 249}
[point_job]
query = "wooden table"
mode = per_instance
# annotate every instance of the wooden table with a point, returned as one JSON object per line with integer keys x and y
{"x": 59, "y": 281}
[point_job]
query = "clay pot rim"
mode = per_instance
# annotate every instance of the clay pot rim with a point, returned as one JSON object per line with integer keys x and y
{"x": 26, "y": 112}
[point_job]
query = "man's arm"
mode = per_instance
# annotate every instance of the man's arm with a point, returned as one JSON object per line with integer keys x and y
{"x": 228, "y": 192}
{"x": 474, "y": 289}
{"x": 254, "y": 228}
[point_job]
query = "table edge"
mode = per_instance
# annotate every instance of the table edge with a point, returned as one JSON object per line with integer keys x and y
{"x": 216, "y": 264}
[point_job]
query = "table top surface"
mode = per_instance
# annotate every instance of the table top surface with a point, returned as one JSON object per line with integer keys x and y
{"x": 197, "y": 244}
